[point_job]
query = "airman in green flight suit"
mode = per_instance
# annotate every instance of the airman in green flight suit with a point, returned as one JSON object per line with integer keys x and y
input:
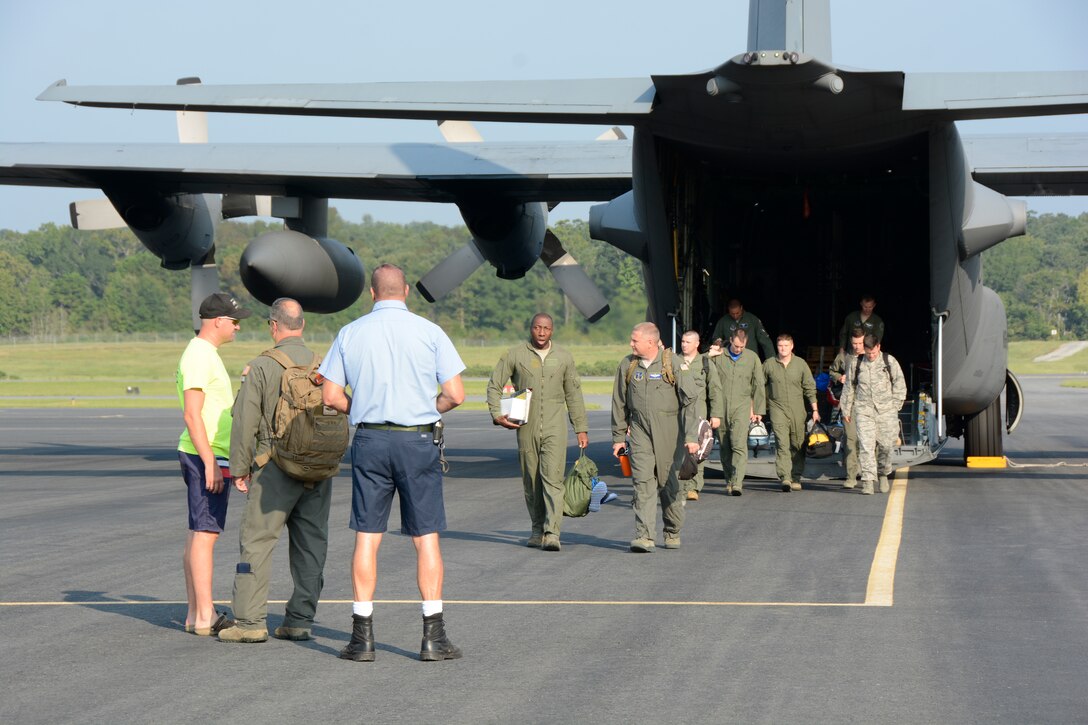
{"x": 738, "y": 397}
{"x": 653, "y": 405}
{"x": 737, "y": 318}
{"x": 698, "y": 365}
{"x": 549, "y": 371}
{"x": 790, "y": 388}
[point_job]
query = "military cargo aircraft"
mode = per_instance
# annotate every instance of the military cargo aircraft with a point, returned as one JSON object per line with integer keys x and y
{"x": 776, "y": 176}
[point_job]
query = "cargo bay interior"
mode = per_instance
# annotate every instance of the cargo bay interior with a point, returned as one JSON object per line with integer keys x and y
{"x": 800, "y": 245}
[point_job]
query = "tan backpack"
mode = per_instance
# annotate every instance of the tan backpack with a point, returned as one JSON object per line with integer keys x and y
{"x": 308, "y": 438}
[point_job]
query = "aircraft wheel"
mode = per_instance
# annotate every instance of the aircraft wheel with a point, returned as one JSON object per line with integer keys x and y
{"x": 982, "y": 434}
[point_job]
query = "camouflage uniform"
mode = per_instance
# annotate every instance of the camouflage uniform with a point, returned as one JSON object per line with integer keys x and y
{"x": 698, "y": 369}
{"x": 748, "y": 322}
{"x": 872, "y": 395}
{"x": 842, "y": 362}
{"x": 737, "y": 390}
{"x": 789, "y": 388}
{"x": 542, "y": 441}
{"x": 661, "y": 418}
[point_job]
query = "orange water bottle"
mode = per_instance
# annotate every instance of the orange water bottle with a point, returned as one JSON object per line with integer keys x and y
{"x": 625, "y": 460}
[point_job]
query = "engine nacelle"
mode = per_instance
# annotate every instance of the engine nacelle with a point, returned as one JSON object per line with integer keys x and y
{"x": 510, "y": 236}
{"x": 322, "y": 274}
{"x": 989, "y": 218}
{"x": 179, "y": 229}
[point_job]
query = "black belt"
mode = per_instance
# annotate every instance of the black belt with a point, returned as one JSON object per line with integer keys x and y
{"x": 428, "y": 428}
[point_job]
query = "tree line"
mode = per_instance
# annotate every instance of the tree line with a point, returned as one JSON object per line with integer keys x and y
{"x": 1042, "y": 278}
{"x": 57, "y": 281}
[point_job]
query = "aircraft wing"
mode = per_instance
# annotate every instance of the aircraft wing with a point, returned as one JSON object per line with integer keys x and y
{"x": 551, "y": 172}
{"x": 1021, "y": 165}
{"x": 613, "y": 101}
{"x": 970, "y": 96}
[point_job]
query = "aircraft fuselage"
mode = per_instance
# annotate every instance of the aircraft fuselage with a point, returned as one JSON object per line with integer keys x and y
{"x": 798, "y": 193}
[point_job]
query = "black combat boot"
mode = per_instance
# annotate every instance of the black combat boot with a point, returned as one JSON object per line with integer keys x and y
{"x": 361, "y": 646}
{"x": 436, "y": 645}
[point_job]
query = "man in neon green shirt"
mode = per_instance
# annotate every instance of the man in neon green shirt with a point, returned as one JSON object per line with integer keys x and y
{"x": 206, "y": 398}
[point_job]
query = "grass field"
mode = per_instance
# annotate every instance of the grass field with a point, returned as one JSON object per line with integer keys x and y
{"x": 96, "y": 375}
{"x": 1023, "y": 354}
{"x": 91, "y": 375}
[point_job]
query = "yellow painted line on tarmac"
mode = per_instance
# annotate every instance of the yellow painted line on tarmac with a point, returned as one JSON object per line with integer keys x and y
{"x": 879, "y": 592}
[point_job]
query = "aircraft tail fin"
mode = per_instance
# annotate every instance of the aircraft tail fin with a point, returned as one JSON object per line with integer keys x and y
{"x": 803, "y": 26}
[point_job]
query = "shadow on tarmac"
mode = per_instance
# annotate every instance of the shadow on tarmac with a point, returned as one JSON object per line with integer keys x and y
{"x": 57, "y": 450}
{"x": 131, "y": 605}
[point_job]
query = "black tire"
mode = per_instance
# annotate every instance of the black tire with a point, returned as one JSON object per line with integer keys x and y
{"x": 982, "y": 434}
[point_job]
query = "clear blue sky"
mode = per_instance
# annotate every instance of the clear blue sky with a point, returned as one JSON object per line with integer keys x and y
{"x": 242, "y": 41}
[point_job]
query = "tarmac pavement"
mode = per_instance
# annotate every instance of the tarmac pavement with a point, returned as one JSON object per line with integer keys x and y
{"x": 961, "y": 597}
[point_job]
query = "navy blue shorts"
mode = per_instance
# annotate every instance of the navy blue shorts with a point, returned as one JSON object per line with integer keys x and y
{"x": 207, "y": 510}
{"x": 384, "y": 461}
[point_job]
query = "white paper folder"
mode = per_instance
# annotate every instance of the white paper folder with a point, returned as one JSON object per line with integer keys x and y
{"x": 516, "y": 407}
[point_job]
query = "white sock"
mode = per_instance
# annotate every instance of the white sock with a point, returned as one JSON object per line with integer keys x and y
{"x": 431, "y": 607}
{"x": 363, "y": 609}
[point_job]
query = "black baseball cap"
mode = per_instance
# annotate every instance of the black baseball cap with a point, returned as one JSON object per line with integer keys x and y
{"x": 222, "y": 304}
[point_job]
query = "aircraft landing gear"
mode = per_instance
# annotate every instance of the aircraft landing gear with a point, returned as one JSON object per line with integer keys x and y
{"x": 982, "y": 433}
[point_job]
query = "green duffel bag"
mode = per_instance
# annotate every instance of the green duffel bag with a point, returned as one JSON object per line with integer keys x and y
{"x": 578, "y": 486}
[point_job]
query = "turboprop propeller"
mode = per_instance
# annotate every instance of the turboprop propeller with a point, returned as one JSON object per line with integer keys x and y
{"x": 511, "y": 237}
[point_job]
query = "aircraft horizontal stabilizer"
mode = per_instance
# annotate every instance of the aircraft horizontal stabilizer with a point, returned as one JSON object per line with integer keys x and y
{"x": 620, "y": 101}
{"x": 968, "y": 96}
{"x": 1022, "y": 165}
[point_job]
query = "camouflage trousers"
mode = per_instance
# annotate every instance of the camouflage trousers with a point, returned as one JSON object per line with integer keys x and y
{"x": 877, "y": 433}
{"x": 850, "y": 449}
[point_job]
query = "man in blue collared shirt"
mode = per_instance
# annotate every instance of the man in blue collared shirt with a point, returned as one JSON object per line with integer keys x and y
{"x": 393, "y": 361}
